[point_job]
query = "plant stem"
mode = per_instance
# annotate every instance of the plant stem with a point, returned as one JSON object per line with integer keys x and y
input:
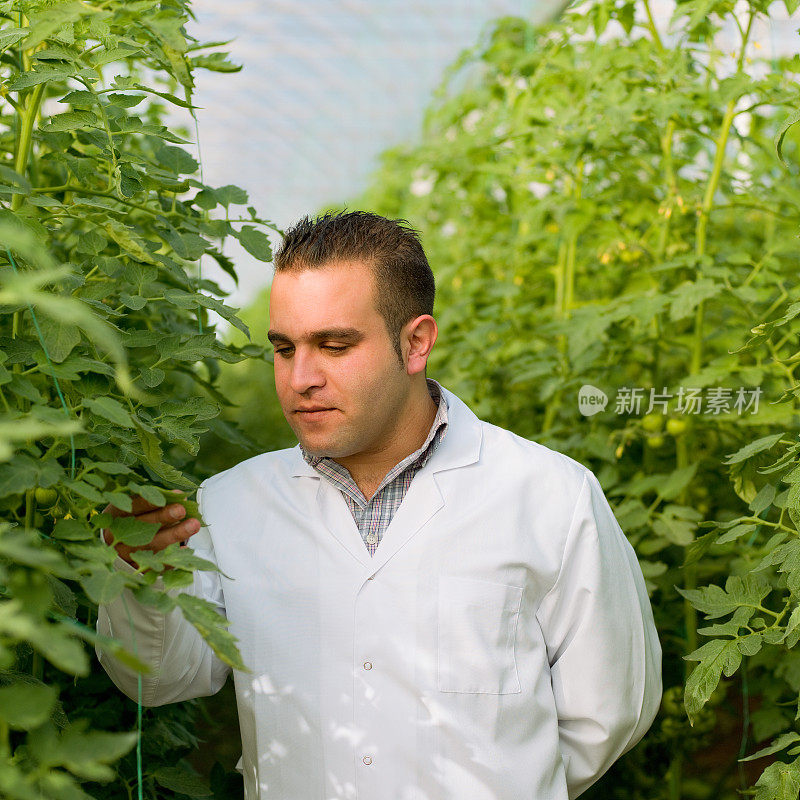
{"x": 29, "y": 510}
{"x": 25, "y": 137}
{"x": 651, "y": 26}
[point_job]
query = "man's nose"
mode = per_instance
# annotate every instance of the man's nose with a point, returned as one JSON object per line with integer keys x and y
{"x": 305, "y": 372}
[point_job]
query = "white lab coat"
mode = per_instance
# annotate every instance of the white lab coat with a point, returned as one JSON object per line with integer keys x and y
{"x": 499, "y": 645}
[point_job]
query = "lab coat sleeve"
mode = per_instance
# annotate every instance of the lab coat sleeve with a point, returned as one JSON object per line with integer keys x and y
{"x": 183, "y": 665}
{"x": 602, "y": 644}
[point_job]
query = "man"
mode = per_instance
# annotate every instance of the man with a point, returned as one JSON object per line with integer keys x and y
{"x": 431, "y": 606}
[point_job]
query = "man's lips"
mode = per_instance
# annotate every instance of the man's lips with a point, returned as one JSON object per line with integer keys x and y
{"x": 311, "y": 412}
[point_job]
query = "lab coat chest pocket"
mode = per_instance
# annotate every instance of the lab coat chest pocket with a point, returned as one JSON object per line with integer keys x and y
{"x": 477, "y": 628}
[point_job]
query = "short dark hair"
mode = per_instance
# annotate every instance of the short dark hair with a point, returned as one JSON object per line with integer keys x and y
{"x": 404, "y": 281}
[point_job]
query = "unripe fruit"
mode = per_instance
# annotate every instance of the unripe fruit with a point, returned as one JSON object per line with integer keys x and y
{"x": 676, "y": 427}
{"x": 653, "y": 423}
{"x": 655, "y": 441}
{"x": 45, "y": 497}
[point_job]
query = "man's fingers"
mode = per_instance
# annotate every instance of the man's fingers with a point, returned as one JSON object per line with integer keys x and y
{"x": 174, "y": 533}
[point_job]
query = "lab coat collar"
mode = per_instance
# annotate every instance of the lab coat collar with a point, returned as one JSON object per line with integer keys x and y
{"x": 460, "y": 447}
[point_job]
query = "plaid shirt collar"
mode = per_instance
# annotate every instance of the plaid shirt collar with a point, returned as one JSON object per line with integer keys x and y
{"x": 331, "y": 469}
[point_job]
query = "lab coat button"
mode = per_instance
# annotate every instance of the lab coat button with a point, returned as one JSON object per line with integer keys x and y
{"x": 372, "y": 538}
{"x": 367, "y": 760}
{"x": 367, "y": 665}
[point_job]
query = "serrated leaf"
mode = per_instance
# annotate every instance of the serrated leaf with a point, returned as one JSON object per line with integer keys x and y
{"x": 133, "y": 532}
{"x": 779, "y": 781}
{"x": 110, "y": 409}
{"x": 210, "y": 624}
{"x": 230, "y": 195}
{"x": 690, "y": 294}
{"x": 255, "y": 242}
{"x": 715, "y": 657}
{"x": 793, "y": 120}
{"x": 39, "y": 74}
{"x": 781, "y": 743}
{"x": 181, "y": 780}
{"x": 714, "y": 601}
{"x": 70, "y": 121}
{"x": 60, "y": 338}
{"x": 176, "y": 160}
{"x": 755, "y": 447}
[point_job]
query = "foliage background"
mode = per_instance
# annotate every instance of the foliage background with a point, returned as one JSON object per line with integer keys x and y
{"x": 109, "y": 366}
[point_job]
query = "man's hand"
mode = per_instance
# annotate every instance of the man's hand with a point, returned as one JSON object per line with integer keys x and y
{"x": 173, "y": 527}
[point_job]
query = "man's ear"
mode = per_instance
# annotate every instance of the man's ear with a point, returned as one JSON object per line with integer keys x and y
{"x": 419, "y": 336}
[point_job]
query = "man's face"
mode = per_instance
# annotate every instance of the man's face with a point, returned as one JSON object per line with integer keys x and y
{"x": 332, "y": 351}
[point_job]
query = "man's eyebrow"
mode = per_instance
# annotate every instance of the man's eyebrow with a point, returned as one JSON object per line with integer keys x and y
{"x": 351, "y": 335}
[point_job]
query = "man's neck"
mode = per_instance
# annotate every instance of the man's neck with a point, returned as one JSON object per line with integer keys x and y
{"x": 368, "y": 471}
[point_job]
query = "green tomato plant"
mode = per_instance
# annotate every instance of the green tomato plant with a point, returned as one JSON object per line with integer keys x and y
{"x": 612, "y": 206}
{"x": 109, "y": 367}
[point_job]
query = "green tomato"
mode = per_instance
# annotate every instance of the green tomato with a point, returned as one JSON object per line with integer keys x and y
{"x": 653, "y": 423}
{"x": 655, "y": 441}
{"x": 45, "y": 497}
{"x": 677, "y": 427}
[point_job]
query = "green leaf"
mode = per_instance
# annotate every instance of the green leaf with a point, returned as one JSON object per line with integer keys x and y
{"x": 230, "y": 195}
{"x": 176, "y": 160}
{"x": 129, "y": 241}
{"x": 715, "y": 657}
{"x": 714, "y": 601}
{"x": 59, "y": 338}
{"x": 51, "y": 640}
{"x": 119, "y": 53}
{"x": 102, "y": 586}
{"x": 125, "y": 100}
{"x": 70, "y": 121}
{"x": 134, "y": 532}
{"x": 87, "y": 755}
{"x": 110, "y": 409}
{"x": 23, "y": 547}
{"x": 779, "y": 781}
{"x": 72, "y": 530}
{"x": 255, "y": 242}
{"x": 677, "y": 481}
{"x": 210, "y": 624}
{"x": 781, "y": 743}
{"x": 40, "y": 74}
{"x": 757, "y": 446}
{"x": 690, "y": 294}
{"x": 10, "y": 36}
{"x": 181, "y": 780}
{"x": 763, "y": 500}
{"x": 26, "y": 705}
{"x": 736, "y": 532}
{"x": 793, "y": 120}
